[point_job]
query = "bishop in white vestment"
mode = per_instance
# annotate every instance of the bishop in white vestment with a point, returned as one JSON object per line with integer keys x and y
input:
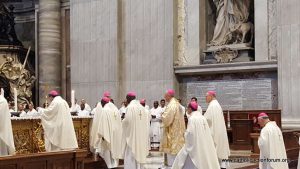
{"x": 7, "y": 146}
{"x": 216, "y": 122}
{"x": 199, "y": 151}
{"x": 58, "y": 126}
{"x": 199, "y": 107}
{"x": 135, "y": 133}
{"x": 110, "y": 134}
{"x": 94, "y": 139}
{"x": 271, "y": 145}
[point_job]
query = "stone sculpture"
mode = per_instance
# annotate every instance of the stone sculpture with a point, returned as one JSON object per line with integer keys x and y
{"x": 232, "y": 23}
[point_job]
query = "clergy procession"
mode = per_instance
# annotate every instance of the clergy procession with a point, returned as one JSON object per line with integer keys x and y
{"x": 131, "y": 132}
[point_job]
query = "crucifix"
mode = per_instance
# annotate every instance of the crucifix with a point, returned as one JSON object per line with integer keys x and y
{"x": 115, "y": 115}
{"x": 140, "y": 115}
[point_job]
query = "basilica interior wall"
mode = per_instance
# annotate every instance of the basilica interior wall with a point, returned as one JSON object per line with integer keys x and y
{"x": 120, "y": 45}
{"x": 276, "y": 32}
{"x": 120, "y": 52}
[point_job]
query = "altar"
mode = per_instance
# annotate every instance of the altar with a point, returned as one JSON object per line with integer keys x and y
{"x": 28, "y": 133}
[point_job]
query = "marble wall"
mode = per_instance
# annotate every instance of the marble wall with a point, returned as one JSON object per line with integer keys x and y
{"x": 119, "y": 46}
{"x": 93, "y": 39}
{"x": 122, "y": 45}
{"x": 192, "y": 32}
{"x": 288, "y": 42}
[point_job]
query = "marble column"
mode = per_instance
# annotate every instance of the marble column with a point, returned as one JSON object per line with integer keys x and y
{"x": 49, "y": 47}
{"x": 121, "y": 66}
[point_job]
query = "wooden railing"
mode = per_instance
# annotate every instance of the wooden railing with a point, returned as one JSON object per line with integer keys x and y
{"x": 54, "y": 160}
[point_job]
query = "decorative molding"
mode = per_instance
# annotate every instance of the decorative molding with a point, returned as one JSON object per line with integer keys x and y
{"x": 291, "y": 124}
{"x": 226, "y": 68}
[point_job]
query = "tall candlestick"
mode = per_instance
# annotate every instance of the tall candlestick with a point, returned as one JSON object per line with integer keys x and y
{"x": 46, "y": 102}
{"x": 228, "y": 119}
{"x": 16, "y": 99}
{"x": 72, "y": 98}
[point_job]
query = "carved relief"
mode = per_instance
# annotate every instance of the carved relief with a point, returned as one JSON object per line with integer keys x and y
{"x": 11, "y": 68}
{"x": 19, "y": 78}
{"x": 225, "y": 55}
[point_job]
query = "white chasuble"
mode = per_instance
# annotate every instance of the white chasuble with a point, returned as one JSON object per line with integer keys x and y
{"x": 58, "y": 126}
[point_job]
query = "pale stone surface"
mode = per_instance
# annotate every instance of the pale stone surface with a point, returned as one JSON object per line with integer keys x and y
{"x": 192, "y": 31}
{"x": 134, "y": 50}
{"x": 149, "y": 47}
{"x": 272, "y": 24}
{"x": 49, "y": 47}
{"x": 146, "y": 61}
{"x": 93, "y": 48}
{"x": 288, "y": 42}
{"x": 261, "y": 30}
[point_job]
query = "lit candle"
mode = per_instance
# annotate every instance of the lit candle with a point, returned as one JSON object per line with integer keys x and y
{"x": 72, "y": 98}
{"x": 16, "y": 99}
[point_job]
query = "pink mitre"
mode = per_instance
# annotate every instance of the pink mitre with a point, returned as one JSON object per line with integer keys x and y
{"x": 105, "y": 99}
{"x": 171, "y": 92}
{"x": 193, "y": 105}
{"x": 211, "y": 93}
{"x": 53, "y": 93}
{"x": 143, "y": 101}
{"x": 132, "y": 94}
{"x": 106, "y": 94}
{"x": 262, "y": 114}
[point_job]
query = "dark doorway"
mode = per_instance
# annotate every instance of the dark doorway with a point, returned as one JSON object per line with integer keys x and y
{"x": 4, "y": 83}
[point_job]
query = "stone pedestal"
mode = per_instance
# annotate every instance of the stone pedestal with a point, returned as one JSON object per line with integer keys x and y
{"x": 229, "y": 53}
{"x": 49, "y": 47}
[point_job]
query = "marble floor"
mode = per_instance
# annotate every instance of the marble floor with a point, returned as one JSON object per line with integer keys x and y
{"x": 155, "y": 161}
